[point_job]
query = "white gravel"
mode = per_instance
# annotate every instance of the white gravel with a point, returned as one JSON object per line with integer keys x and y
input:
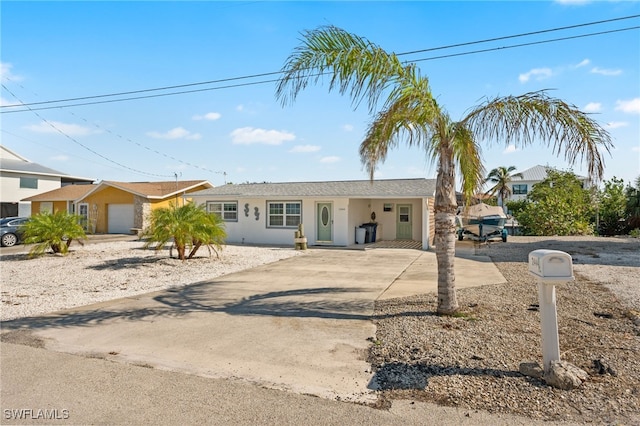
{"x": 109, "y": 270}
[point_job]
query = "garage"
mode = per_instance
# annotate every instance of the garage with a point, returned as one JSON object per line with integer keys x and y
{"x": 120, "y": 218}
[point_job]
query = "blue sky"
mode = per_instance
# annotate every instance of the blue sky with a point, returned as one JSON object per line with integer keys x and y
{"x": 61, "y": 50}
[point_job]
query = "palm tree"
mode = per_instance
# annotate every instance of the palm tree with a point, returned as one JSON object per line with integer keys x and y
{"x": 410, "y": 114}
{"x": 500, "y": 177}
{"x": 188, "y": 227}
{"x": 55, "y": 231}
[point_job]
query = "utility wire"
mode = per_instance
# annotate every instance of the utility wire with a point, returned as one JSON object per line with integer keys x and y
{"x": 134, "y": 142}
{"x": 82, "y": 145}
{"x": 518, "y": 35}
{"x": 279, "y": 72}
{"x": 147, "y": 148}
{"x": 275, "y": 80}
{"x": 524, "y": 44}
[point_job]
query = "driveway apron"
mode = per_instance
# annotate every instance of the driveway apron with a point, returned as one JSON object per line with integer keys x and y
{"x": 300, "y": 324}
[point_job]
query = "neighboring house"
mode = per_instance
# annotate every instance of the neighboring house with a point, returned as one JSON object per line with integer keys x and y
{"x": 116, "y": 207}
{"x": 520, "y": 187}
{"x": 21, "y": 178}
{"x": 269, "y": 213}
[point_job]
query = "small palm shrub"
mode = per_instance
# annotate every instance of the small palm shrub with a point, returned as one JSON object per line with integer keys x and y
{"x": 52, "y": 231}
{"x": 189, "y": 227}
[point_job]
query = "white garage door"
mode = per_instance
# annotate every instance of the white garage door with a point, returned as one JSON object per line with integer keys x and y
{"x": 120, "y": 218}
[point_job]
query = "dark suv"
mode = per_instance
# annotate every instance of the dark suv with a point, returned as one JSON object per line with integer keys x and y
{"x": 11, "y": 230}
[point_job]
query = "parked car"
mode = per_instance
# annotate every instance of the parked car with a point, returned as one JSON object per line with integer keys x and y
{"x": 11, "y": 229}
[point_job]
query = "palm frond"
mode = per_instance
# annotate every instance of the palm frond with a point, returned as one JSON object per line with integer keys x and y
{"x": 468, "y": 157}
{"x": 536, "y": 117}
{"x": 354, "y": 66}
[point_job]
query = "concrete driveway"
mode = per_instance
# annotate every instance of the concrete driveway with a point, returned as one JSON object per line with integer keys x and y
{"x": 301, "y": 324}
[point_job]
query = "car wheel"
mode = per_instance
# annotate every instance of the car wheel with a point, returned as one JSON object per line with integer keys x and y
{"x": 9, "y": 240}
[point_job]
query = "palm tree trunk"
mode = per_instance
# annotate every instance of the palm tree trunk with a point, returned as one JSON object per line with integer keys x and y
{"x": 445, "y": 239}
{"x": 194, "y": 249}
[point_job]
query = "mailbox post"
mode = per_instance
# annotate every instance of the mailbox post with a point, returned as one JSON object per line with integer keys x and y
{"x": 550, "y": 267}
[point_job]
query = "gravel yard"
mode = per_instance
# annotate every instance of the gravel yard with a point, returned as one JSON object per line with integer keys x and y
{"x": 472, "y": 362}
{"x": 98, "y": 272}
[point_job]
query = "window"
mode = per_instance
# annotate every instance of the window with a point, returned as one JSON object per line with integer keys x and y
{"x": 227, "y": 211}
{"x": 284, "y": 214}
{"x": 46, "y": 207}
{"x": 28, "y": 183}
{"x": 519, "y": 189}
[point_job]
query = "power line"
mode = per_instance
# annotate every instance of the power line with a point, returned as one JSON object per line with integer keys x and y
{"x": 519, "y": 35}
{"x": 524, "y": 44}
{"x": 279, "y": 72}
{"x": 137, "y": 143}
{"x": 82, "y": 145}
{"x": 162, "y": 154}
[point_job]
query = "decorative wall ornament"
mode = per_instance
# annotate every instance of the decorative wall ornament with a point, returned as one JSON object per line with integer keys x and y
{"x": 246, "y": 210}
{"x": 256, "y": 212}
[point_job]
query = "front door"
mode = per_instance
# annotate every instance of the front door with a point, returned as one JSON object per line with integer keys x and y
{"x": 83, "y": 212}
{"x": 325, "y": 222}
{"x": 404, "y": 229}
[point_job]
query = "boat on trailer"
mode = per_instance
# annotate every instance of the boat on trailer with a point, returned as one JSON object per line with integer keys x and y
{"x": 482, "y": 222}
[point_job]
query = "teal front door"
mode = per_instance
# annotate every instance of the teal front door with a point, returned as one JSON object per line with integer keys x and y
{"x": 404, "y": 229}
{"x": 325, "y": 222}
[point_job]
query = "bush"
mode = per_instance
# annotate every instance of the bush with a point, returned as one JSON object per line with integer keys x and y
{"x": 53, "y": 231}
{"x": 188, "y": 226}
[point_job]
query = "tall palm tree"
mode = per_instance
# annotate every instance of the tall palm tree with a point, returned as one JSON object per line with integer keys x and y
{"x": 409, "y": 113}
{"x": 500, "y": 177}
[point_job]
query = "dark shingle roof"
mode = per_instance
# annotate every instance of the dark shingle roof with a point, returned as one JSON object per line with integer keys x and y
{"x": 27, "y": 167}
{"x": 391, "y": 188}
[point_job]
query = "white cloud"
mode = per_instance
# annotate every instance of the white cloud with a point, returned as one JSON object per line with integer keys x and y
{"x": 240, "y": 108}
{"x": 305, "y": 148}
{"x": 635, "y": 149}
{"x": 510, "y": 149}
{"x": 632, "y": 106}
{"x": 6, "y": 74}
{"x": 4, "y": 102}
{"x": 583, "y": 63}
{"x": 347, "y": 128}
{"x": 616, "y": 124}
{"x": 59, "y": 158}
{"x": 602, "y": 71}
{"x": 249, "y": 136}
{"x": 330, "y": 159}
{"x": 175, "y": 133}
{"x": 211, "y": 116}
{"x": 66, "y": 128}
{"x": 593, "y": 107}
{"x": 537, "y": 73}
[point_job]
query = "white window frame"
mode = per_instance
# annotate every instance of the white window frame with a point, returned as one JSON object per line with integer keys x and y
{"x": 284, "y": 215}
{"x": 225, "y": 210}
{"x": 526, "y": 189}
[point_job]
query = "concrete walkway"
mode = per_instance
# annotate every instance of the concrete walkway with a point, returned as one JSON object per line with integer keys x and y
{"x": 301, "y": 324}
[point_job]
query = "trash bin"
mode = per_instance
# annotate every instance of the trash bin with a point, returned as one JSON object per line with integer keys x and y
{"x": 370, "y": 236}
{"x": 361, "y": 234}
{"x": 373, "y": 230}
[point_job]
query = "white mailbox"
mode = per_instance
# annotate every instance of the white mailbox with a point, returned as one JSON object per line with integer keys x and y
{"x": 551, "y": 265}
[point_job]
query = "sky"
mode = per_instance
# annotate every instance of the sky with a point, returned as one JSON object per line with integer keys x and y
{"x": 234, "y": 129}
